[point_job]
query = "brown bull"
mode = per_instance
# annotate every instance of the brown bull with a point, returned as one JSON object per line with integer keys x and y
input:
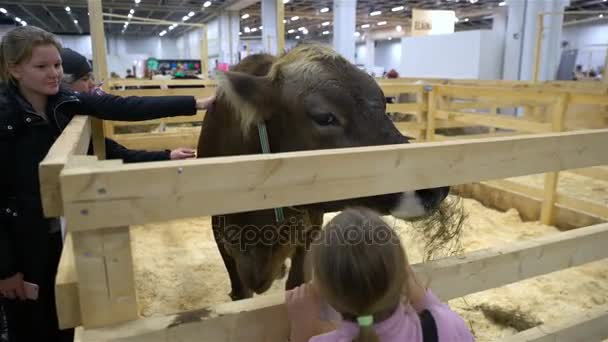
{"x": 311, "y": 98}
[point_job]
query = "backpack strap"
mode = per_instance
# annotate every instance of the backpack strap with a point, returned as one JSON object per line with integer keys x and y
{"x": 429, "y": 328}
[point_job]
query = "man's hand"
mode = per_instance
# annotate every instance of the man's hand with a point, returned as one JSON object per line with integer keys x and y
{"x": 202, "y": 104}
{"x": 182, "y": 153}
{"x": 12, "y": 287}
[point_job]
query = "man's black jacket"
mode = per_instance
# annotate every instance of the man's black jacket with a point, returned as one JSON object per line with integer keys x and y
{"x": 25, "y": 139}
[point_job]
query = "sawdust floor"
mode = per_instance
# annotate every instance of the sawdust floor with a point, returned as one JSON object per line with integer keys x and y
{"x": 573, "y": 185}
{"x": 177, "y": 267}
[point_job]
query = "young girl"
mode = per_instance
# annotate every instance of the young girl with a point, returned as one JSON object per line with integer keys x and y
{"x": 34, "y": 109}
{"x": 360, "y": 269}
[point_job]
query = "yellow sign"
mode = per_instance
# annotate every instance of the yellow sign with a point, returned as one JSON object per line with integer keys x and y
{"x": 425, "y": 22}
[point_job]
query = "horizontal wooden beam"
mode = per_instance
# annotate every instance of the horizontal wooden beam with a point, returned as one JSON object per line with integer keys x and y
{"x": 264, "y": 318}
{"x": 499, "y": 121}
{"x": 196, "y": 92}
{"x": 74, "y": 140}
{"x": 139, "y": 193}
{"x": 158, "y": 83}
{"x": 599, "y": 99}
{"x": 159, "y": 141}
{"x": 409, "y": 108}
{"x": 528, "y": 96}
{"x": 199, "y": 117}
{"x": 591, "y": 325}
{"x": 593, "y": 172}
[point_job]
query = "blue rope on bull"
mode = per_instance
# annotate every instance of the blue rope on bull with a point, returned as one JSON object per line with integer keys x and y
{"x": 278, "y": 212}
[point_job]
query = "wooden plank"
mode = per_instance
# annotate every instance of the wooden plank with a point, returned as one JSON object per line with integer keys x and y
{"x": 197, "y": 92}
{"x": 264, "y": 318}
{"x": 594, "y": 172}
{"x": 159, "y": 141}
{"x": 199, "y": 117}
{"x": 74, "y": 140}
{"x": 478, "y": 136}
{"x": 497, "y": 195}
{"x": 106, "y": 284}
{"x": 431, "y": 115}
{"x": 100, "y": 69}
{"x": 138, "y": 193}
{"x": 205, "y": 55}
{"x": 551, "y": 179}
{"x": 66, "y": 288}
{"x": 597, "y": 99}
{"x": 409, "y": 108}
{"x": 499, "y": 121}
{"x": 592, "y": 208}
{"x": 395, "y": 89}
{"x": 538, "y": 47}
{"x": 159, "y": 83}
{"x": 591, "y": 325}
{"x": 531, "y": 96}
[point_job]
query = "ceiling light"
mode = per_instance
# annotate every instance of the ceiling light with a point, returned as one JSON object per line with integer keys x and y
{"x": 137, "y": 1}
{"x": 207, "y": 4}
{"x": 185, "y": 18}
{"x": 245, "y": 16}
{"x": 67, "y": 8}
{"x": 191, "y": 14}
{"x": 3, "y": 10}
{"x": 247, "y": 29}
{"x": 284, "y": 21}
{"x": 301, "y": 28}
{"x": 254, "y": 29}
{"x": 297, "y": 37}
{"x": 17, "y": 19}
{"x": 504, "y": 3}
{"x": 472, "y": 1}
{"x": 240, "y": 33}
{"x": 23, "y": 23}
{"x": 162, "y": 33}
{"x": 390, "y": 38}
{"x": 365, "y": 26}
{"x": 171, "y": 28}
{"x": 456, "y": 19}
{"x": 132, "y": 11}
{"x": 261, "y": 27}
{"x": 380, "y": 23}
{"x": 295, "y": 18}
{"x": 398, "y": 28}
{"x": 291, "y": 31}
{"x": 325, "y": 23}
{"x": 465, "y": 20}
{"x": 130, "y": 16}
{"x": 601, "y": 15}
{"x": 325, "y": 32}
{"x": 375, "y": 13}
{"x": 75, "y": 21}
{"x": 398, "y": 8}
{"x": 305, "y": 32}
{"x": 285, "y": 1}
{"x": 324, "y": 10}
{"x": 357, "y": 34}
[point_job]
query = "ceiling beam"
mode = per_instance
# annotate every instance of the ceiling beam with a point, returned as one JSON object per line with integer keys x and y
{"x": 80, "y": 4}
{"x": 31, "y": 15}
{"x": 52, "y": 15}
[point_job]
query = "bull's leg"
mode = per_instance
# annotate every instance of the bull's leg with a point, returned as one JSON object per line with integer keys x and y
{"x": 300, "y": 270}
{"x": 239, "y": 291}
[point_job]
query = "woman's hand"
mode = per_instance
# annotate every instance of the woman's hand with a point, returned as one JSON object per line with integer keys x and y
{"x": 182, "y": 153}
{"x": 303, "y": 308}
{"x": 12, "y": 287}
{"x": 203, "y": 104}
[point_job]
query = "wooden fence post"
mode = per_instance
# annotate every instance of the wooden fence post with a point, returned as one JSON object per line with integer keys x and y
{"x": 100, "y": 69}
{"x": 551, "y": 179}
{"x": 430, "y": 117}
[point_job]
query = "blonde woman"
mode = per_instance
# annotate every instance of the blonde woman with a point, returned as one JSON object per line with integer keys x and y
{"x": 34, "y": 109}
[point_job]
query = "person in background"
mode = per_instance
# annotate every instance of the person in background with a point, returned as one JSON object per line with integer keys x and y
{"x": 77, "y": 75}
{"x": 34, "y": 110}
{"x": 129, "y": 74}
{"x": 360, "y": 269}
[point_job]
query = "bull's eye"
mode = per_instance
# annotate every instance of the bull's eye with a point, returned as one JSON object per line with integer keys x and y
{"x": 325, "y": 119}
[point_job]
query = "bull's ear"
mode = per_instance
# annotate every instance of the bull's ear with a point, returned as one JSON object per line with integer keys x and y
{"x": 253, "y": 98}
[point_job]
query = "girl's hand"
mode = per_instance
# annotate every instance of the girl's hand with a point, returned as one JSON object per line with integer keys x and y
{"x": 12, "y": 287}
{"x": 203, "y": 104}
{"x": 182, "y": 153}
{"x": 303, "y": 308}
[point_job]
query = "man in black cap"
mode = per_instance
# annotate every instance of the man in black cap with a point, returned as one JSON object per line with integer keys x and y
{"x": 78, "y": 76}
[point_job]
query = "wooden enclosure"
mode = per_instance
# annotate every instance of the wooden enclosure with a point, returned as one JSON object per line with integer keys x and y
{"x": 95, "y": 286}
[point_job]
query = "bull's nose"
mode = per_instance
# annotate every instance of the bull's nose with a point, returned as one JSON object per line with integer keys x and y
{"x": 432, "y": 198}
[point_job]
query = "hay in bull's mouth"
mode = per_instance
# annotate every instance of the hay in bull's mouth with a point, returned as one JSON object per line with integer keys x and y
{"x": 441, "y": 231}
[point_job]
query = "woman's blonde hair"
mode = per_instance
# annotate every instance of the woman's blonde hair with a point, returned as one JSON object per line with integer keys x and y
{"x": 17, "y": 46}
{"x": 359, "y": 267}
